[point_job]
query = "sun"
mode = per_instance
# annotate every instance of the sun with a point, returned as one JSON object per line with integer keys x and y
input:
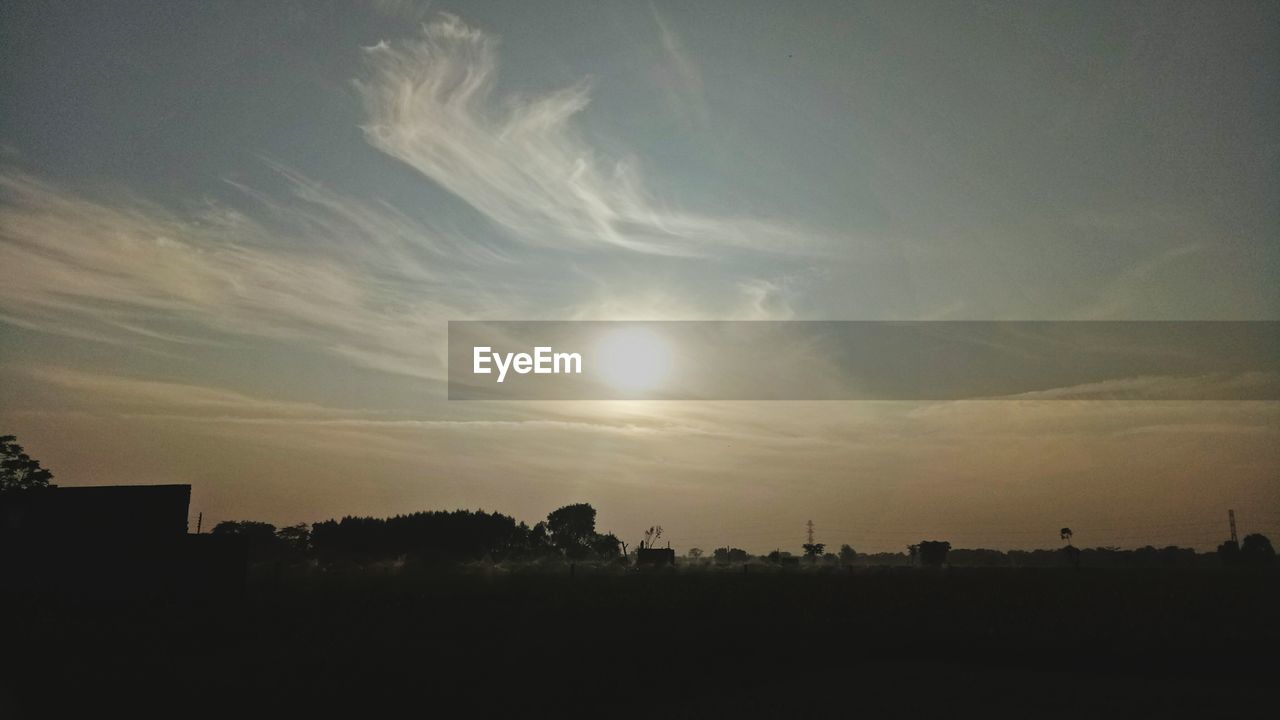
{"x": 633, "y": 359}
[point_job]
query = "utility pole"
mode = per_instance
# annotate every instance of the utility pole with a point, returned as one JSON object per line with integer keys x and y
{"x": 811, "y": 532}
{"x": 1231, "y": 517}
{"x": 199, "y": 522}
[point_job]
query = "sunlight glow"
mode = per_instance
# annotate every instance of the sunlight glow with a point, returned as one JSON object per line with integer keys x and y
{"x": 633, "y": 359}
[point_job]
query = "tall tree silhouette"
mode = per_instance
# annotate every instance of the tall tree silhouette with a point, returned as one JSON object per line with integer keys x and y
{"x": 1071, "y": 551}
{"x": 19, "y": 471}
{"x": 1229, "y": 552}
{"x": 933, "y": 553}
{"x": 813, "y": 550}
{"x": 573, "y": 532}
{"x": 848, "y": 554}
{"x": 1256, "y": 549}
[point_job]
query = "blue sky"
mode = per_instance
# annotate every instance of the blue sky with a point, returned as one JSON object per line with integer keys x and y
{"x": 232, "y": 235}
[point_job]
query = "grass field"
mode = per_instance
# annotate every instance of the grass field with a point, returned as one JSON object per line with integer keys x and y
{"x": 683, "y": 642}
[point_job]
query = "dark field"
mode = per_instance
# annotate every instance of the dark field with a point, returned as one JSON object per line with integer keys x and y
{"x": 686, "y": 644}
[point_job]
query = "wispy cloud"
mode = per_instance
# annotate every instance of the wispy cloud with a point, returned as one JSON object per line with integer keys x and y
{"x": 316, "y": 268}
{"x": 111, "y": 391}
{"x": 133, "y": 397}
{"x": 520, "y": 161}
{"x": 324, "y": 271}
{"x": 768, "y": 299}
{"x": 680, "y": 80}
{"x": 1131, "y": 286}
{"x": 1225, "y": 386}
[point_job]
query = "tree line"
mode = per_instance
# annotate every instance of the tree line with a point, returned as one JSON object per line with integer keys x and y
{"x": 570, "y": 532}
{"x": 445, "y": 536}
{"x": 1255, "y": 550}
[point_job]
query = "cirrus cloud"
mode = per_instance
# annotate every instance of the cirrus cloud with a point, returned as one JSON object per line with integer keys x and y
{"x": 520, "y": 162}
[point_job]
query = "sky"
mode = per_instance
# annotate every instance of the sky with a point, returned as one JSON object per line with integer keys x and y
{"x": 232, "y": 236}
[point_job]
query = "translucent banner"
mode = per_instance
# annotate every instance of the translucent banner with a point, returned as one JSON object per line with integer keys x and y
{"x": 864, "y": 360}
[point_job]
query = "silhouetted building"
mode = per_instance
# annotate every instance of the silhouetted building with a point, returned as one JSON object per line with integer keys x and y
{"x": 655, "y": 557}
{"x": 108, "y": 513}
{"x": 115, "y": 539}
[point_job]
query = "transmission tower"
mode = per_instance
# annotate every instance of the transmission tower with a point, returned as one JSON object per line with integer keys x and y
{"x": 1231, "y": 517}
{"x": 811, "y": 532}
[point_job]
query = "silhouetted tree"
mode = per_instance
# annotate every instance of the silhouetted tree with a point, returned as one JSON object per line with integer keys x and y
{"x": 695, "y": 553}
{"x": 847, "y": 554}
{"x": 1072, "y": 553}
{"x": 251, "y": 529}
{"x": 19, "y": 471}
{"x": 1256, "y": 549}
{"x": 813, "y": 550}
{"x": 607, "y": 546}
{"x": 540, "y": 538}
{"x": 295, "y": 537}
{"x": 460, "y": 535}
{"x": 260, "y": 537}
{"x": 572, "y": 529}
{"x": 1229, "y": 553}
{"x": 933, "y": 553}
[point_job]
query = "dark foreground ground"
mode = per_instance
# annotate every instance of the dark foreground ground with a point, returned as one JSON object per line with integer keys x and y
{"x": 1039, "y": 642}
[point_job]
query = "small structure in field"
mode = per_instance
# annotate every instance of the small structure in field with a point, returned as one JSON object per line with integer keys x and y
{"x": 649, "y": 556}
{"x": 655, "y": 557}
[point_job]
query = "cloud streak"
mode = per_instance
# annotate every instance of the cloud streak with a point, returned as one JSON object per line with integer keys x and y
{"x": 328, "y": 273}
{"x": 313, "y": 267}
{"x": 429, "y": 103}
{"x": 681, "y": 79}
